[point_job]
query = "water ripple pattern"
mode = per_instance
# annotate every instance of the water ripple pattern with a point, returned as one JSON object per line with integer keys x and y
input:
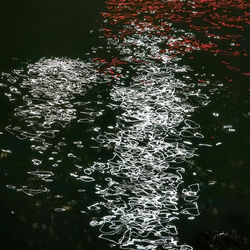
{"x": 145, "y": 193}
{"x": 46, "y": 95}
{"x": 148, "y": 150}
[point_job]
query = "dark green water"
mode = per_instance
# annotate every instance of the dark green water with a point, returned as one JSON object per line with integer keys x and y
{"x": 58, "y": 172}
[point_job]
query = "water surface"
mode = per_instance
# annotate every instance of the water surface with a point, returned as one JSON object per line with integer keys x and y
{"x": 129, "y": 132}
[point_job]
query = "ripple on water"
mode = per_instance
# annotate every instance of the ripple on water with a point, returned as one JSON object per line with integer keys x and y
{"x": 46, "y": 96}
{"x": 146, "y": 184}
{"x": 154, "y": 135}
{"x": 144, "y": 191}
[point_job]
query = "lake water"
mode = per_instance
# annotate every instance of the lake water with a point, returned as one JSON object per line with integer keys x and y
{"x": 124, "y": 124}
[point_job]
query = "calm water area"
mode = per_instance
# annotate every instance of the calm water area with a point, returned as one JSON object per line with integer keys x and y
{"x": 124, "y": 124}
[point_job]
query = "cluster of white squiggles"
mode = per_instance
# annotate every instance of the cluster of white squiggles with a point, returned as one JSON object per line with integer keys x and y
{"x": 144, "y": 195}
{"x": 45, "y": 93}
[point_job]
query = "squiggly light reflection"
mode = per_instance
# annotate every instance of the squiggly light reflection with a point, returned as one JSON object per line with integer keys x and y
{"x": 45, "y": 94}
{"x": 143, "y": 195}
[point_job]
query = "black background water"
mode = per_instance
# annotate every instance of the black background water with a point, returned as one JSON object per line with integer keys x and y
{"x": 34, "y": 29}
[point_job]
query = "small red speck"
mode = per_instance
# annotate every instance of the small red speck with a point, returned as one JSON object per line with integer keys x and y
{"x": 108, "y": 84}
{"x": 191, "y": 57}
{"x": 225, "y": 62}
{"x": 199, "y": 80}
{"x": 212, "y": 137}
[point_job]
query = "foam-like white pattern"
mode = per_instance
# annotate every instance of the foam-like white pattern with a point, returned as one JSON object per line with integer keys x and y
{"x": 144, "y": 190}
{"x": 51, "y": 86}
{"x": 45, "y": 95}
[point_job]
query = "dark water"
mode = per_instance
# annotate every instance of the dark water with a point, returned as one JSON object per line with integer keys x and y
{"x": 124, "y": 124}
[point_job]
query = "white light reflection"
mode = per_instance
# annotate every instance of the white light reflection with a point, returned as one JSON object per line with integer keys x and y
{"x": 146, "y": 187}
{"x": 45, "y": 94}
{"x": 144, "y": 192}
